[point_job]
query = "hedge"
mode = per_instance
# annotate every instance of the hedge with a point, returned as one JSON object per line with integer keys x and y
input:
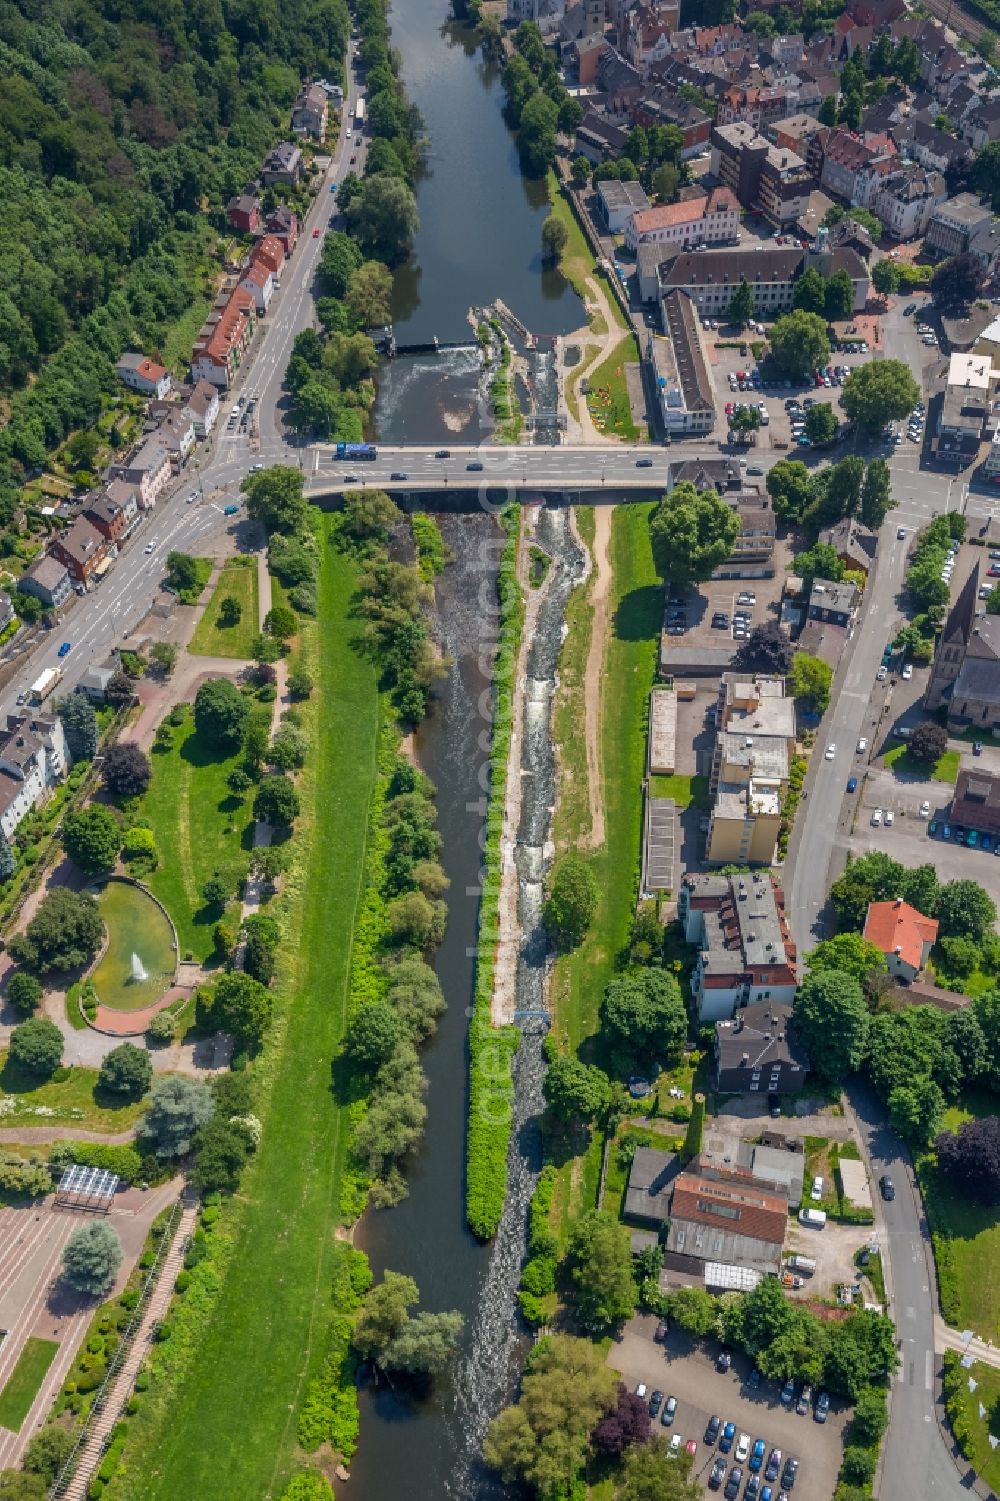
{"x": 330, "y": 1409}
{"x": 695, "y": 1130}
{"x": 492, "y": 1049}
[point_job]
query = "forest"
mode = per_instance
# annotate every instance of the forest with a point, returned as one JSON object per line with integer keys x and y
{"x": 124, "y": 129}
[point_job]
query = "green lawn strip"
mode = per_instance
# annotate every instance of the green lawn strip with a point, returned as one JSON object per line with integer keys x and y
{"x": 579, "y": 978}
{"x": 24, "y": 1380}
{"x": 975, "y": 1414}
{"x": 966, "y": 1237}
{"x": 246, "y": 1368}
{"x": 608, "y": 401}
{"x": 684, "y": 790}
{"x": 943, "y": 770}
{"x": 572, "y": 815}
{"x": 238, "y": 580}
{"x": 200, "y": 827}
{"x": 72, "y": 1100}
{"x": 577, "y": 260}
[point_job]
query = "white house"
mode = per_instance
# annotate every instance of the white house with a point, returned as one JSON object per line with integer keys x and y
{"x": 33, "y": 758}
{"x": 203, "y": 405}
{"x": 259, "y": 282}
{"x": 143, "y": 375}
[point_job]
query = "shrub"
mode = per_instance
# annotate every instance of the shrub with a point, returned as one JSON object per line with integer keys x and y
{"x": 24, "y": 992}
{"x": 37, "y": 1046}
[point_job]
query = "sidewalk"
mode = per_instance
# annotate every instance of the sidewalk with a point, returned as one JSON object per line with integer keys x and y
{"x": 946, "y": 1338}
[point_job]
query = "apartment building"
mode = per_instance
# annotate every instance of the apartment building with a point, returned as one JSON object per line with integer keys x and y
{"x": 745, "y": 951}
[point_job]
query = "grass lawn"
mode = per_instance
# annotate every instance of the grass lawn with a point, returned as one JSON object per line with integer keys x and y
{"x": 971, "y": 1236}
{"x": 204, "y": 571}
{"x": 683, "y": 790}
{"x": 200, "y": 827}
{"x": 981, "y": 1410}
{"x": 267, "y": 1331}
{"x": 577, "y": 262}
{"x": 608, "y": 400}
{"x": 73, "y": 1100}
{"x": 24, "y": 1381}
{"x": 212, "y": 639}
{"x": 901, "y": 762}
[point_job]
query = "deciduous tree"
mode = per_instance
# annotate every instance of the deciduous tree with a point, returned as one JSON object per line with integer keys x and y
{"x": 970, "y": 1158}
{"x": 789, "y": 485}
{"x": 220, "y": 713}
{"x": 126, "y": 770}
{"x": 799, "y": 343}
{"x": 831, "y": 1022}
{"x": 178, "y": 1106}
{"x": 604, "y": 1291}
{"x": 880, "y": 392}
{"x": 810, "y": 679}
{"x": 821, "y": 424}
{"x": 64, "y": 933}
{"x": 575, "y": 1090}
{"x": 275, "y": 499}
{"x": 928, "y": 742}
{"x": 37, "y": 1046}
{"x": 91, "y": 1258}
{"x": 127, "y": 1071}
{"x": 691, "y": 532}
{"x": 571, "y": 901}
{"x": 643, "y": 1010}
{"x": 369, "y": 295}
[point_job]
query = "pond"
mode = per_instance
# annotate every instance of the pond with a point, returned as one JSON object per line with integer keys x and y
{"x": 140, "y": 958}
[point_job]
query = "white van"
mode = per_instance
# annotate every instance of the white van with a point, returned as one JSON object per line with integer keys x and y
{"x": 813, "y": 1219}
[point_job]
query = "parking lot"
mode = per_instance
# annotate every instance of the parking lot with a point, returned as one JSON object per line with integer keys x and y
{"x": 686, "y": 1370}
{"x": 722, "y": 612}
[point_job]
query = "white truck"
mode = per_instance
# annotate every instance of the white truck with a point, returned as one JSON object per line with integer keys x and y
{"x": 44, "y": 684}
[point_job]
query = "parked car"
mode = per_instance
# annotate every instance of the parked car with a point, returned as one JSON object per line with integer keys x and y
{"x": 925, "y": 809}
{"x": 830, "y": 752}
{"x": 712, "y": 1431}
{"x": 852, "y": 784}
{"x": 888, "y": 1191}
{"x": 640, "y": 1390}
{"x": 662, "y": 1330}
{"x": 724, "y": 1361}
{"x": 733, "y": 1483}
{"x": 773, "y": 1465}
{"x": 655, "y": 1403}
{"x": 977, "y": 748}
{"x": 728, "y": 1435}
{"x": 805, "y": 1400}
{"x": 876, "y": 818}
{"x": 822, "y": 1409}
{"x": 907, "y": 672}
{"x": 718, "y": 1474}
{"x": 669, "y": 1411}
{"x": 816, "y": 1194}
{"x": 889, "y": 816}
{"x": 791, "y": 1470}
{"x": 743, "y": 1448}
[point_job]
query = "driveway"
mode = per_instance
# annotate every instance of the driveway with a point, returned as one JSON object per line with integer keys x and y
{"x": 687, "y": 1370}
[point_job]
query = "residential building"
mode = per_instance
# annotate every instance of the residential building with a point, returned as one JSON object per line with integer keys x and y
{"x": 723, "y": 1215}
{"x": 617, "y": 202}
{"x": 33, "y": 758}
{"x": 738, "y": 154}
{"x": 586, "y": 52}
{"x": 113, "y": 518}
{"x": 904, "y": 935}
{"x": 784, "y": 187}
{"x": 920, "y": 140}
{"x": 176, "y": 434}
{"x": 991, "y": 463}
{"x": 269, "y": 252}
{"x": 745, "y": 951}
{"x": 985, "y": 246}
{"x": 81, "y": 549}
{"x": 284, "y": 225}
{"x": 143, "y": 375}
{"x": 758, "y": 107}
{"x": 904, "y": 198}
{"x": 845, "y": 159}
{"x": 752, "y": 556}
{"x": 755, "y": 743}
{"x": 965, "y": 409}
{"x": 702, "y": 219}
{"x": 599, "y": 138}
{"x": 546, "y": 14}
{"x": 203, "y": 405}
{"x": 149, "y": 470}
{"x": 834, "y": 604}
{"x": 794, "y": 132}
{"x": 976, "y": 803}
{"x": 854, "y": 544}
{"x": 311, "y": 112}
{"x": 664, "y": 108}
{"x": 966, "y": 671}
{"x": 258, "y": 281}
{"x": 48, "y": 580}
{"x": 651, "y": 1176}
{"x": 711, "y": 277}
{"x": 283, "y": 164}
{"x": 224, "y": 339}
{"x": 955, "y": 223}
{"x": 243, "y": 213}
{"x": 756, "y": 1052}
{"x": 647, "y": 32}
{"x": 94, "y": 682}
{"x": 680, "y": 367}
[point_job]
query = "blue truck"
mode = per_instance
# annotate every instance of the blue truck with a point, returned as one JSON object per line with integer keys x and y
{"x": 357, "y": 451}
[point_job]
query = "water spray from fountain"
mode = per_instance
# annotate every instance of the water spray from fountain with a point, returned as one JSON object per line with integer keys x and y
{"x": 139, "y": 971}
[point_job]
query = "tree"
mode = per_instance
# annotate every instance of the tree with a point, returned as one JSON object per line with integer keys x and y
{"x": 957, "y": 282}
{"x": 126, "y": 770}
{"x": 163, "y": 654}
{"x": 24, "y": 992}
{"x": 665, "y": 182}
{"x": 92, "y": 838}
{"x": 571, "y": 901}
{"x": 601, "y": 1271}
{"x": 745, "y": 419}
{"x": 275, "y": 499}
{"x": 810, "y": 678}
{"x": 624, "y": 1425}
{"x": 789, "y": 485}
{"x": 383, "y": 218}
{"x": 691, "y": 533}
{"x": 839, "y": 303}
{"x": 280, "y": 622}
{"x": 373, "y": 1036}
{"x": 277, "y": 802}
{"x": 425, "y": 1345}
{"x": 127, "y": 1071}
{"x": 545, "y": 1438}
{"x": 300, "y": 683}
{"x": 8, "y": 860}
{"x": 653, "y": 1472}
{"x": 119, "y": 689}
{"x": 220, "y": 713}
{"x": 555, "y": 237}
{"x": 368, "y": 517}
{"x": 828, "y": 110}
{"x": 880, "y": 392}
{"x": 230, "y": 611}
{"x": 79, "y": 722}
{"x": 809, "y": 295}
{"x": 831, "y": 1022}
{"x": 580, "y": 171}
{"x": 221, "y": 1148}
{"x": 876, "y": 494}
{"x": 182, "y": 571}
{"x": 885, "y": 277}
{"x": 242, "y": 1006}
{"x": 289, "y": 749}
{"x": 15, "y": 1485}
{"x": 63, "y": 934}
{"x": 37, "y": 1046}
{"x": 916, "y": 1111}
{"x": 862, "y": 1350}
{"x": 575, "y": 1090}
{"x": 48, "y": 1452}
{"x": 416, "y": 920}
{"x": 964, "y": 910}
{"x": 643, "y": 1010}
{"x": 339, "y": 259}
{"x": 970, "y": 1158}
{"x": 177, "y": 1107}
{"x": 91, "y": 1258}
{"x": 695, "y": 1310}
{"x": 741, "y": 304}
{"x": 799, "y": 343}
{"x": 928, "y": 742}
{"x": 369, "y": 295}
{"x": 848, "y": 953}
{"x": 821, "y": 424}
{"x": 536, "y": 136}
{"x": 766, "y": 649}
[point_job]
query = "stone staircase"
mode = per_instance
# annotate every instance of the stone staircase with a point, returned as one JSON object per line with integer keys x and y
{"x": 120, "y": 1388}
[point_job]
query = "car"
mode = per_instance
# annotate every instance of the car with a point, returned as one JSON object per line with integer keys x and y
{"x": 191, "y": 498}
{"x": 316, "y": 233}
{"x": 728, "y": 1435}
{"x": 907, "y": 672}
{"x": 852, "y": 784}
{"x": 743, "y": 1448}
{"x": 691, "y": 1447}
{"x": 757, "y": 1455}
{"x": 64, "y": 650}
{"x": 655, "y": 1403}
{"x": 22, "y": 698}
{"x": 887, "y": 1188}
{"x": 669, "y": 1411}
{"x": 644, "y": 463}
{"x": 717, "y": 1475}
{"x": 399, "y": 474}
{"x": 766, "y": 1493}
{"x": 773, "y": 1465}
{"x": 733, "y": 1483}
{"x": 662, "y": 1330}
{"x": 816, "y": 1194}
{"x": 676, "y": 1444}
{"x": 876, "y": 818}
{"x": 831, "y": 751}
{"x": 752, "y": 1492}
{"x": 442, "y": 453}
{"x": 640, "y": 1390}
{"x": 712, "y": 1431}
{"x": 149, "y": 548}
{"x": 881, "y": 674}
{"x": 730, "y": 408}
{"x": 862, "y": 746}
{"x": 753, "y": 1380}
{"x": 353, "y": 160}
{"x": 946, "y": 831}
{"x": 888, "y": 818}
{"x": 256, "y": 468}
{"x": 774, "y": 1107}
{"x": 791, "y": 1470}
{"x": 805, "y": 1400}
{"x": 724, "y": 1360}
{"x": 230, "y": 510}
{"x": 755, "y": 469}
{"x": 911, "y": 307}
{"x": 977, "y": 748}
{"x": 925, "y": 809}
{"x": 474, "y": 468}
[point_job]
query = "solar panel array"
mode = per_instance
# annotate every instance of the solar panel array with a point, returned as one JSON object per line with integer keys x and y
{"x": 83, "y": 1187}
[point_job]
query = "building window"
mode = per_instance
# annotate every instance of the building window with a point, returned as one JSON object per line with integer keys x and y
{"x": 754, "y": 1084}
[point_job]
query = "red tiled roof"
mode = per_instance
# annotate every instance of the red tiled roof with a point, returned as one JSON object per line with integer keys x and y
{"x": 737, "y": 1205}
{"x": 897, "y": 928}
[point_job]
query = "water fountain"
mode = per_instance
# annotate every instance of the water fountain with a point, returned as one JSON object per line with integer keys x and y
{"x": 139, "y": 972}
